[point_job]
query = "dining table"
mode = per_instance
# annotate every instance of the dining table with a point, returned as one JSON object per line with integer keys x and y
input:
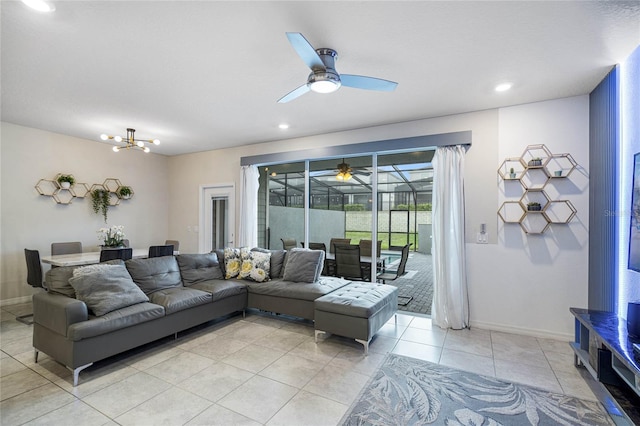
{"x": 381, "y": 260}
{"x": 86, "y": 258}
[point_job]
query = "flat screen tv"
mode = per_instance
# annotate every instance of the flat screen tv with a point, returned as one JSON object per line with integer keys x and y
{"x": 634, "y": 233}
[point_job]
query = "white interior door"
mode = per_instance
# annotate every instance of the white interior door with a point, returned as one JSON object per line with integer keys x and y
{"x": 217, "y": 217}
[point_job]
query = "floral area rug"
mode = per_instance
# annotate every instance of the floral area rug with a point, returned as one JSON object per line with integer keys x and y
{"x": 408, "y": 391}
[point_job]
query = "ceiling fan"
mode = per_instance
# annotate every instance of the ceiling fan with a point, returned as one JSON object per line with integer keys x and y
{"x": 324, "y": 78}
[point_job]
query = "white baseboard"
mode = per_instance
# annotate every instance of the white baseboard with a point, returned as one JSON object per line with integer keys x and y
{"x": 15, "y": 301}
{"x": 543, "y": 334}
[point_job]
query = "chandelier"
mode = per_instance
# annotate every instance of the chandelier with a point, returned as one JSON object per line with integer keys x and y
{"x": 344, "y": 171}
{"x": 130, "y": 141}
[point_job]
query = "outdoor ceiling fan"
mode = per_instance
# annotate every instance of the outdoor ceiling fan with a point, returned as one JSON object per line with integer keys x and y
{"x": 324, "y": 78}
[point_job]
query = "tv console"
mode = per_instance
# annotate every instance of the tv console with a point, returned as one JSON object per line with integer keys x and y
{"x": 603, "y": 346}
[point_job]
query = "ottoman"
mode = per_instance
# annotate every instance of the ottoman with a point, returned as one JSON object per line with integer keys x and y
{"x": 357, "y": 310}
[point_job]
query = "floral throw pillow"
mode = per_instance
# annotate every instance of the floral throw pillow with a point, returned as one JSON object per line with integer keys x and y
{"x": 231, "y": 262}
{"x": 255, "y": 265}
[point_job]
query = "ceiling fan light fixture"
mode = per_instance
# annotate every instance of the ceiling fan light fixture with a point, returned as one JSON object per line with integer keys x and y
{"x": 503, "y": 87}
{"x": 40, "y": 5}
{"x": 324, "y": 86}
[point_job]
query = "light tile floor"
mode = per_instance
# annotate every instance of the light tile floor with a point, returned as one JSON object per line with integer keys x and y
{"x": 260, "y": 370}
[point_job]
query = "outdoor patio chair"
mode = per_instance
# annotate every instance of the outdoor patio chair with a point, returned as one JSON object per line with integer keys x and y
{"x": 289, "y": 243}
{"x": 348, "y": 262}
{"x": 366, "y": 248}
{"x": 338, "y": 241}
{"x": 391, "y": 274}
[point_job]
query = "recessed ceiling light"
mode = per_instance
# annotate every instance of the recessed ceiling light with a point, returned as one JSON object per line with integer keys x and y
{"x": 283, "y": 126}
{"x": 40, "y": 5}
{"x": 503, "y": 87}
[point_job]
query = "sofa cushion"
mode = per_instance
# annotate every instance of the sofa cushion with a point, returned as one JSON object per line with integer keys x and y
{"x": 220, "y": 254}
{"x": 179, "y": 298}
{"x": 276, "y": 263}
{"x": 195, "y": 268}
{"x": 255, "y": 265}
{"x": 155, "y": 273}
{"x": 114, "y": 320}
{"x": 220, "y": 289}
{"x": 57, "y": 279}
{"x": 105, "y": 288}
{"x": 232, "y": 262}
{"x": 303, "y": 265}
{"x": 298, "y": 290}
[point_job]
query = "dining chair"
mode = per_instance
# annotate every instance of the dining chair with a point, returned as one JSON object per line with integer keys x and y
{"x": 34, "y": 279}
{"x": 391, "y": 274}
{"x": 338, "y": 241}
{"x": 174, "y": 243}
{"x": 159, "y": 251}
{"x": 348, "y": 262}
{"x": 318, "y": 246}
{"x": 366, "y": 248}
{"x": 66, "y": 248}
{"x": 119, "y": 253}
{"x": 329, "y": 265}
{"x": 289, "y": 243}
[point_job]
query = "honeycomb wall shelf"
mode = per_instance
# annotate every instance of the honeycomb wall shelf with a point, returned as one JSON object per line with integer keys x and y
{"x": 51, "y": 188}
{"x": 533, "y": 170}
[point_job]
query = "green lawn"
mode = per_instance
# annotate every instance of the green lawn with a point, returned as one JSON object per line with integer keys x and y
{"x": 396, "y": 239}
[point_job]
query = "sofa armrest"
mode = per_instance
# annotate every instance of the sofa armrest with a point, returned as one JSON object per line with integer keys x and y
{"x": 57, "y": 312}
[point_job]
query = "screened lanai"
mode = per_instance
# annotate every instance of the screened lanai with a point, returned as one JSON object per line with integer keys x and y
{"x": 343, "y": 193}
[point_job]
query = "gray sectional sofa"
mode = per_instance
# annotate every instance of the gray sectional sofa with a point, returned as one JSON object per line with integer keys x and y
{"x": 163, "y": 296}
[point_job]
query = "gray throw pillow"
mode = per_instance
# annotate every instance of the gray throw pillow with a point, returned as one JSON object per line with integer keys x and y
{"x": 57, "y": 279}
{"x": 106, "y": 288}
{"x": 303, "y": 265}
{"x": 196, "y": 268}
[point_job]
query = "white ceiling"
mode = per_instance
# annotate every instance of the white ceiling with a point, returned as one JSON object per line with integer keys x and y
{"x": 206, "y": 75}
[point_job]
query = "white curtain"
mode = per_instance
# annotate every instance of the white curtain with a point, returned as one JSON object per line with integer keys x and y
{"x": 450, "y": 300}
{"x": 248, "y": 228}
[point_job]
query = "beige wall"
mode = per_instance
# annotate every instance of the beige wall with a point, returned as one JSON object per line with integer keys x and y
{"x": 517, "y": 283}
{"x": 29, "y": 220}
{"x": 222, "y": 166}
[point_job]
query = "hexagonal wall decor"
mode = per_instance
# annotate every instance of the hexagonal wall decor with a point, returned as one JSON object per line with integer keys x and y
{"x": 560, "y": 165}
{"x": 511, "y": 212}
{"x": 113, "y": 199}
{"x": 560, "y": 211}
{"x": 46, "y": 187}
{"x": 534, "y": 223}
{"x": 534, "y": 170}
{"x": 80, "y": 190}
{"x": 112, "y": 184}
{"x": 534, "y": 179}
{"x": 535, "y": 155}
{"x": 63, "y": 196}
{"x": 540, "y": 197}
{"x": 511, "y": 164}
{"x": 123, "y": 197}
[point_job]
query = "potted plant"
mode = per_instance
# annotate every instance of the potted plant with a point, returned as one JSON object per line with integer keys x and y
{"x": 536, "y": 161}
{"x": 66, "y": 181}
{"x": 100, "y": 202}
{"x": 512, "y": 173}
{"x": 112, "y": 237}
{"x": 534, "y": 206}
{"x": 125, "y": 192}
